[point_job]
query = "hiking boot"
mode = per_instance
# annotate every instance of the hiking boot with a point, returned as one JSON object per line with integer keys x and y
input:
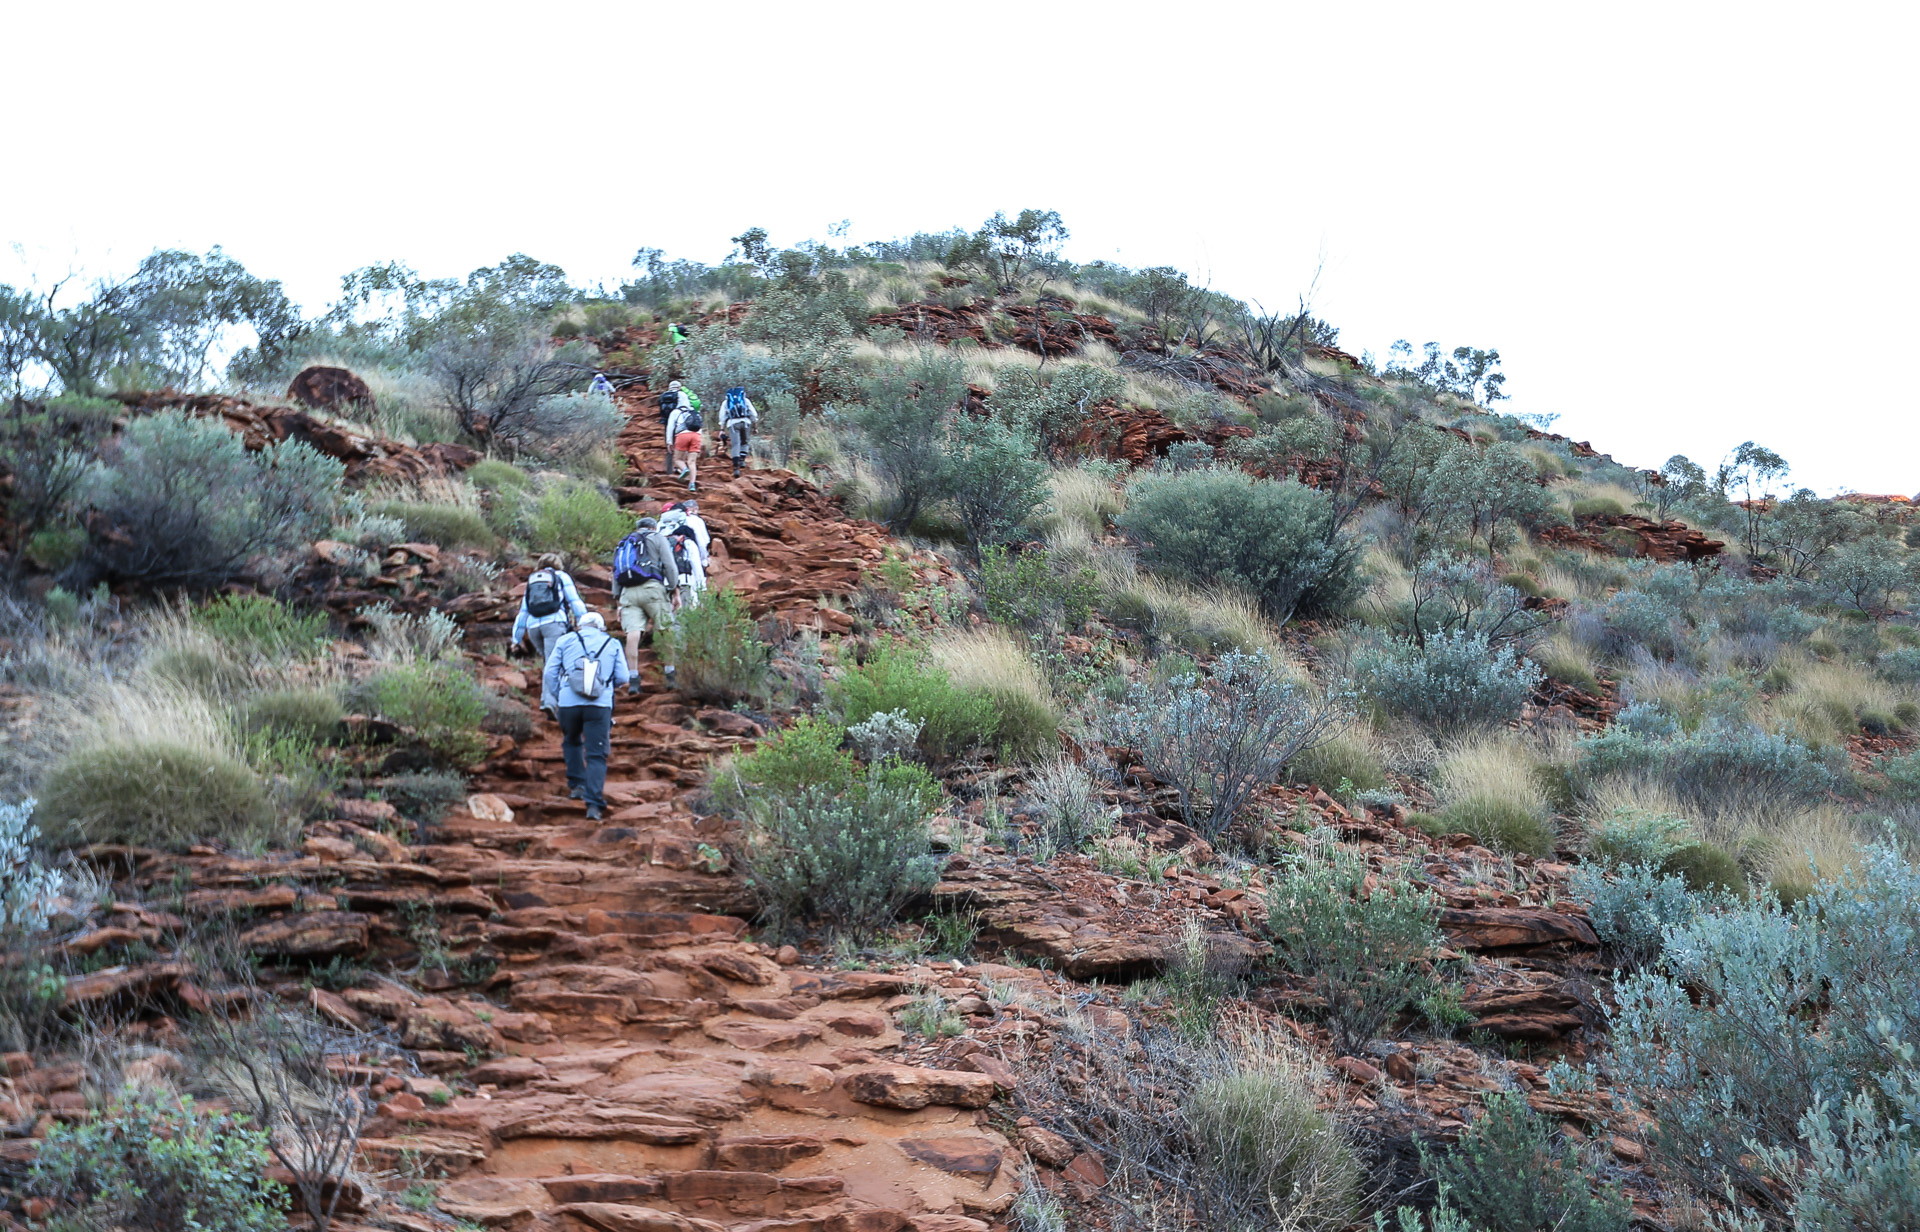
{"x": 577, "y": 794}
{"x": 593, "y": 812}
{"x": 669, "y": 672}
{"x": 692, "y": 486}
{"x": 633, "y": 690}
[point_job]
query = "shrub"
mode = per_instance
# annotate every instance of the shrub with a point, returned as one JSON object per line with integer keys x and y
{"x": 1022, "y": 589}
{"x": 262, "y": 625}
{"x": 1762, "y": 1016}
{"x": 27, "y": 887}
{"x": 1362, "y": 948}
{"x": 1718, "y": 767}
{"x": 424, "y": 795}
{"x": 1635, "y": 836}
{"x": 1269, "y": 1147}
{"x": 987, "y": 663}
{"x": 439, "y": 702}
{"x": 716, "y": 649}
{"x": 895, "y": 677}
{"x": 310, "y": 714}
{"x": 1632, "y": 906}
{"x": 572, "y": 426}
{"x": 1508, "y": 1174}
{"x": 193, "y": 507}
{"x": 1900, "y": 665}
{"x": 881, "y": 736}
{"x": 1274, "y": 539}
{"x": 1065, "y": 802}
{"x": 996, "y": 479}
{"x": 1597, "y": 506}
{"x": 450, "y": 526}
{"x": 155, "y": 793}
{"x": 573, "y": 518}
{"x": 1458, "y": 680}
{"x": 1220, "y": 740}
{"x": 1503, "y": 825}
{"x": 207, "y": 668}
{"x": 849, "y": 861}
{"x": 401, "y": 637}
{"x": 807, "y": 754}
{"x": 493, "y": 474}
{"x": 1706, "y": 866}
{"x": 902, "y": 417}
{"x": 157, "y": 1162}
{"x": 1903, "y": 775}
{"x": 48, "y": 449}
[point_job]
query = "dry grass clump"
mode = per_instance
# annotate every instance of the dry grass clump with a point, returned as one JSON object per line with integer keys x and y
{"x": 1081, "y": 505}
{"x": 1491, "y": 787}
{"x": 1567, "y": 660}
{"x": 1828, "y": 701}
{"x": 990, "y": 663}
{"x": 1201, "y": 621}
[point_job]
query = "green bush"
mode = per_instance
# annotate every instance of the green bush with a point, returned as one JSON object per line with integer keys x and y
{"x": 847, "y": 860}
{"x": 450, "y": 526}
{"x": 161, "y": 1164}
{"x": 312, "y": 714}
{"x": 574, "y": 519}
{"x": 1504, "y": 825}
{"x": 895, "y": 677}
{"x": 1508, "y": 1174}
{"x": 1632, "y": 906}
{"x": 716, "y": 649}
{"x": 53, "y": 548}
{"x": 439, "y": 702}
{"x": 1270, "y": 1149}
{"x": 1635, "y": 836}
{"x": 194, "y": 507}
{"x": 1363, "y": 949}
{"x": 1903, "y": 775}
{"x": 492, "y": 475}
{"x": 1705, "y": 866}
{"x": 1274, "y": 539}
{"x": 263, "y": 625}
{"x": 1597, "y": 506}
{"x": 1021, "y": 589}
{"x": 153, "y": 793}
{"x": 807, "y": 754}
{"x": 997, "y": 480}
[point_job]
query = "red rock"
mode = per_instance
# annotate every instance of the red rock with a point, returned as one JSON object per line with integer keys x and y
{"x": 1086, "y": 1169}
{"x": 1002, "y": 1074}
{"x": 905, "y": 1087}
{"x": 1046, "y": 1147}
{"x": 947, "y": 1223}
{"x": 617, "y": 1217}
{"x": 972, "y": 1156}
{"x": 309, "y": 934}
{"x": 1401, "y": 1067}
{"x": 1357, "y": 1070}
{"x": 1506, "y": 928}
{"x": 603, "y": 1187}
{"x": 508, "y": 1071}
{"x": 330, "y": 389}
{"x": 766, "y": 1152}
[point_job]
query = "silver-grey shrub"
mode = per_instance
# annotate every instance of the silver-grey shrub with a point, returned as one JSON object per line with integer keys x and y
{"x": 1760, "y": 1017}
{"x": 27, "y": 887}
{"x": 1458, "y": 679}
{"x": 1219, "y": 739}
{"x": 1632, "y": 907}
{"x": 192, "y": 506}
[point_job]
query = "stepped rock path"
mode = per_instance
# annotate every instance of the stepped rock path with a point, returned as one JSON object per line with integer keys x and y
{"x": 633, "y": 1063}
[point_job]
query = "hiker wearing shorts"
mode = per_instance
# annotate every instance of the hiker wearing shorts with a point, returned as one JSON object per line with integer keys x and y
{"x": 646, "y": 588}
{"x": 687, "y": 444}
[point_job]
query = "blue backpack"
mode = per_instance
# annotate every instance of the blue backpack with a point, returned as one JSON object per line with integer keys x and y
{"x": 737, "y": 401}
{"x": 631, "y": 565}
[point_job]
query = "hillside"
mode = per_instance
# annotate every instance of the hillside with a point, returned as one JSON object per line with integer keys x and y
{"x": 1137, "y": 766}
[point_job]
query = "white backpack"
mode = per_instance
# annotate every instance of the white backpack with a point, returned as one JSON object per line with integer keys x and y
{"x": 585, "y": 678}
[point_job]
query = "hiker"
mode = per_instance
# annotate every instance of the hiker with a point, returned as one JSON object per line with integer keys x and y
{"x": 672, "y": 402}
{"x": 738, "y": 418}
{"x": 549, "y": 606}
{"x": 677, "y": 338}
{"x": 646, "y": 588}
{"x": 689, "y": 550}
{"x": 684, "y": 430}
{"x": 601, "y": 385}
{"x": 583, "y": 678}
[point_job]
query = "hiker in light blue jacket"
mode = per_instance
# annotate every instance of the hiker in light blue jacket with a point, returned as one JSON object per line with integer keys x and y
{"x": 584, "y": 670}
{"x": 549, "y": 605}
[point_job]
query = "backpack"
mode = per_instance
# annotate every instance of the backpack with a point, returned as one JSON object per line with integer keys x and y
{"x": 630, "y": 563}
{"x": 669, "y": 403}
{"x": 544, "y": 596}
{"x": 585, "y": 677}
{"x": 737, "y": 402}
{"x": 693, "y": 422}
{"x": 673, "y": 521}
{"x": 693, "y": 400}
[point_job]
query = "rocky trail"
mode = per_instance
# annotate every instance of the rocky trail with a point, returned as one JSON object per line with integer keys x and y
{"x": 589, "y": 1039}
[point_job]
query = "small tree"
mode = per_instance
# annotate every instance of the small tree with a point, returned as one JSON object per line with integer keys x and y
{"x": 496, "y": 380}
{"x": 1362, "y": 939}
{"x": 1011, "y": 251}
{"x": 1866, "y": 574}
{"x": 996, "y": 479}
{"x": 1275, "y": 539}
{"x": 902, "y": 419}
{"x": 1489, "y": 491}
{"x": 1219, "y": 740}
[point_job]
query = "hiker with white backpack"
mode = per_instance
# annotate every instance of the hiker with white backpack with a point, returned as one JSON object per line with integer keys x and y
{"x": 646, "y": 588}
{"x": 674, "y": 400}
{"x": 583, "y": 678}
{"x": 738, "y": 418}
{"x": 549, "y": 605}
{"x": 686, "y": 535}
{"x": 684, "y": 430}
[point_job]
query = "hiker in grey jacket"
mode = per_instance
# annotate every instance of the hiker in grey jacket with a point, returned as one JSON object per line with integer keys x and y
{"x": 586, "y": 721}
{"x": 646, "y": 587}
{"x": 539, "y": 632}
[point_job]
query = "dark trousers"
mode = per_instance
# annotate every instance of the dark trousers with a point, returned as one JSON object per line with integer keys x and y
{"x": 585, "y": 732}
{"x": 739, "y": 440}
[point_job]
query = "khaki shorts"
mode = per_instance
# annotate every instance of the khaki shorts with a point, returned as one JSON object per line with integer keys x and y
{"x": 644, "y": 607}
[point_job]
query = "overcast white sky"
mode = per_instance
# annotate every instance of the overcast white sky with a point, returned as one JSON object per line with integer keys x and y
{"x": 1683, "y": 225}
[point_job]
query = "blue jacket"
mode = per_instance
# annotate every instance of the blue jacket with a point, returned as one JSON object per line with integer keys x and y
{"x": 569, "y": 650}
{"x": 571, "y": 608}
